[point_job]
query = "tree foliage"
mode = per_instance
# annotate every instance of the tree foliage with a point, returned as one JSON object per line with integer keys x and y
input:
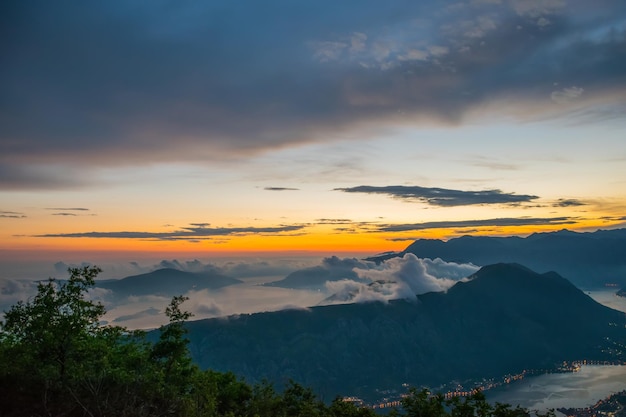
{"x": 56, "y": 359}
{"x": 421, "y": 403}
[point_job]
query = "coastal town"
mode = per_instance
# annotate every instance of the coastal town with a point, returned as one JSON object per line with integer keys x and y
{"x": 612, "y": 406}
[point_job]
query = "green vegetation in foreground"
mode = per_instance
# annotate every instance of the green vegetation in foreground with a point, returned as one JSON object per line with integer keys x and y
{"x": 57, "y": 360}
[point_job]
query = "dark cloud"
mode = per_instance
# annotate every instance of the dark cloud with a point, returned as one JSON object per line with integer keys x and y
{"x": 12, "y": 215}
{"x": 334, "y": 221}
{"x": 569, "y": 202}
{"x": 35, "y": 176}
{"x": 67, "y": 208}
{"x": 197, "y": 231}
{"x": 519, "y": 221}
{"x": 281, "y": 189}
{"x": 443, "y": 197}
{"x": 108, "y": 83}
{"x": 67, "y": 211}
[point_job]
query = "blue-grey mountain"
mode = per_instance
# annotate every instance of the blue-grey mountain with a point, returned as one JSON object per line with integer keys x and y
{"x": 167, "y": 282}
{"x": 315, "y": 277}
{"x": 587, "y": 259}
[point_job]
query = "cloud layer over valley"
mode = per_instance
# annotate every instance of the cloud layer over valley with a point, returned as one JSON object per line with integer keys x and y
{"x": 350, "y": 280}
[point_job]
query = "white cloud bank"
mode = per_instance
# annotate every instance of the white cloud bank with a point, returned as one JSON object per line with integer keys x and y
{"x": 399, "y": 278}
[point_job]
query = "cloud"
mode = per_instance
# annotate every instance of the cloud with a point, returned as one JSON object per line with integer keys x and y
{"x": 150, "y": 312}
{"x": 67, "y": 208}
{"x": 143, "y": 311}
{"x": 281, "y": 189}
{"x": 499, "y": 222}
{"x": 195, "y": 231}
{"x": 566, "y": 95}
{"x": 14, "y": 290}
{"x": 12, "y": 215}
{"x": 61, "y": 268}
{"x": 247, "y": 299}
{"x": 314, "y": 277}
{"x": 37, "y": 175}
{"x": 349, "y": 291}
{"x": 191, "y": 82}
{"x": 326, "y": 51}
{"x": 537, "y": 8}
{"x": 173, "y": 264}
{"x": 481, "y": 161}
{"x": 418, "y": 276}
{"x": 209, "y": 309}
{"x": 441, "y": 196}
{"x": 334, "y": 221}
{"x": 67, "y": 211}
{"x": 357, "y": 42}
{"x": 569, "y": 202}
{"x": 399, "y": 278}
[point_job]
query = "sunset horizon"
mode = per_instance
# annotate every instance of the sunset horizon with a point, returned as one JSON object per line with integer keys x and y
{"x": 277, "y": 129}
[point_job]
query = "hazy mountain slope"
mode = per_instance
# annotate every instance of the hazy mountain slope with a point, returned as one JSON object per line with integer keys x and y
{"x": 506, "y": 319}
{"x": 315, "y": 277}
{"x": 167, "y": 282}
{"x": 587, "y": 259}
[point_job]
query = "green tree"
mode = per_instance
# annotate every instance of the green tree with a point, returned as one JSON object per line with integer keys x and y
{"x": 64, "y": 362}
{"x": 50, "y": 340}
{"x": 423, "y": 404}
{"x": 265, "y": 401}
{"x": 171, "y": 348}
{"x": 505, "y": 410}
{"x": 341, "y": 408}
{"x": 474, "y": 405}
{"x": 301, "y": 401}
{"x": 233, "y": 394}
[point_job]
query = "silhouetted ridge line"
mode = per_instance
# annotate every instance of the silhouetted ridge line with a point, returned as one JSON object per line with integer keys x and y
{"x": 587, "y": 259}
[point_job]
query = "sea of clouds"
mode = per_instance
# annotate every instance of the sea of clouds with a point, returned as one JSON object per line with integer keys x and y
{"x": 401, "y": 277}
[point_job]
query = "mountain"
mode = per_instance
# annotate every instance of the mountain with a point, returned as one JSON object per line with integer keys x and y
{"x": 315, "y": 278}
{"x": 587, "y": 259}
{"x": 505, "y": 319}
{"x": 167, "y": 282}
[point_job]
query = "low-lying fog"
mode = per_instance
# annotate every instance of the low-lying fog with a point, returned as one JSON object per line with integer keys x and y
{"x": 349, "y": 280}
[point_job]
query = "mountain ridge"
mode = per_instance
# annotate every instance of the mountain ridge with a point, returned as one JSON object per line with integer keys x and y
{"x": 168, "y": 282}
{"x": 505, "y": 319}
{"x": 590, "y": 259}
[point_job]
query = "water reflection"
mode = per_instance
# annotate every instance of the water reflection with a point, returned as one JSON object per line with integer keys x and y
{"x": 609, "y": 299}
{"x": 576, "y": 389}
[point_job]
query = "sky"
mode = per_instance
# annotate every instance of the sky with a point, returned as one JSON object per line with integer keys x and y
{"x": 218, "y": 128}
